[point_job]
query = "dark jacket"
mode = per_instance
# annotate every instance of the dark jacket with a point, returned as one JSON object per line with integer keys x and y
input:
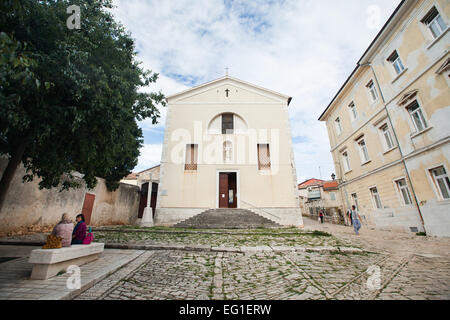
{"x": 80, "y": 231}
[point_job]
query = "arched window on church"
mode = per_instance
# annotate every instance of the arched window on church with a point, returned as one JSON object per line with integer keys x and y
{"x": 227, "y": 123}
{"x": 227, "y": 151}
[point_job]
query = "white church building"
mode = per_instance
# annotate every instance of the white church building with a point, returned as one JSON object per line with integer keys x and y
{"x": 227, "y": 147}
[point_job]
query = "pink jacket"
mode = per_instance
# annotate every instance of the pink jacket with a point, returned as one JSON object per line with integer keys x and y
{"x": 64, "y": 230}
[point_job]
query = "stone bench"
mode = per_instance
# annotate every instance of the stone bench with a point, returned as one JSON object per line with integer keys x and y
{"x": 49, "y": 262}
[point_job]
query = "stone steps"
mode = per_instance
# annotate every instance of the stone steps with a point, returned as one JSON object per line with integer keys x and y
{"x": 227, "y": 219}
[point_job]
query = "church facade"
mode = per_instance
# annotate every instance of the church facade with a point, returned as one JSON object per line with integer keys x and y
{"x": 228, "y": 144}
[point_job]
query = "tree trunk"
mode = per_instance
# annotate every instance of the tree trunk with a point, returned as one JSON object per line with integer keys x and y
{"x": 8, "y": 174}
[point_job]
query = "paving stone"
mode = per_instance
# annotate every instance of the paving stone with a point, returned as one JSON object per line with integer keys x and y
{"x": 290, "y": 267}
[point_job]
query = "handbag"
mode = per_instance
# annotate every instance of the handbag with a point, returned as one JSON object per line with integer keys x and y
{"x": 89, "y": 237}
{"x": 53, "y": 242}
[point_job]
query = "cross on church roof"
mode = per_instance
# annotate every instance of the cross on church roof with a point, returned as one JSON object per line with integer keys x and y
{"x": 226, "y": 71}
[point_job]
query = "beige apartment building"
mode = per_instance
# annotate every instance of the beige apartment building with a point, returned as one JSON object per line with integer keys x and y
{"x": 228, "y": 145}
{"x": 389, "y": 124}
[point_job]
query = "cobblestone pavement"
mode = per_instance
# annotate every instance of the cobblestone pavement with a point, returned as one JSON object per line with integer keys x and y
{"x": 395, "y": 266}
{"x": 223, "y": 238}
{"x": 397, "y": 243}
{"x": 279, "y": 275}
{"x": 263, "y": 237}
{"x": 391, "y": 266}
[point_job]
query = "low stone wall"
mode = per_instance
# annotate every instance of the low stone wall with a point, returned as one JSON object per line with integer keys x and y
{"x": 27, "y": 208}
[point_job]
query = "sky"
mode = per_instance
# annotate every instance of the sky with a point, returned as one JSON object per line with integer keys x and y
{"x": 305, "y": 49}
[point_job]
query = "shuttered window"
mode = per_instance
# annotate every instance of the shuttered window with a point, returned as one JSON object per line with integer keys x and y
{"x": 263, "y": 157}
{"x": 417, "y": 117}
{"x": 353, "y": 112}
{"x": 372, "y": 91}
{"x": 434, "y": 22}
{"x": 363, "y": 151}
{"x": 402, "y": 187}
{"x": 346, "y": 160}
{"x": 441, "y": 181}
{"x": 396, "y": 62}
{"x": 338, "y": 125}
{"x": 376, "y": 198}
{"x": 191, "y": 157}
{"x": 388, "y": 142}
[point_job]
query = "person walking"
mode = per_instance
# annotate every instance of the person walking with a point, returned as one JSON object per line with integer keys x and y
{"x": 356, "y": 219}
{"x": 321, "y": 216}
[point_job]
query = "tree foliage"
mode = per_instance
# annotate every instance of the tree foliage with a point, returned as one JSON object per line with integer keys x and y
{"x": 71, "y": 98}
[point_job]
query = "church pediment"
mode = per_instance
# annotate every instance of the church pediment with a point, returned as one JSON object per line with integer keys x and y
{"x": 228, "y": 90}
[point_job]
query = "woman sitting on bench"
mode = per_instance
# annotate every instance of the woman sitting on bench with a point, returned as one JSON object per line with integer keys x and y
{"x": 64, "y": 230}
{"x": 79, "y": 233}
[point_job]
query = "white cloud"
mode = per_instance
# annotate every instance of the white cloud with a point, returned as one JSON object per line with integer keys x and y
{"x": 150, "y": 156}
{"x": 305, "y": 49}
{"x": 168, "y": 86}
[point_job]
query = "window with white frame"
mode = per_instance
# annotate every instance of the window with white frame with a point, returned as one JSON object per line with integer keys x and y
{"x": 353, "y": 112}
{"x": 434, "y": 21}
{"x": 332, "y": 196}
{"x": 441, "y": 181}
{"x": 375, "y": 198}
{"x": 396, "y": 62}
{"x": 346, "y": 161}
{"x": 364, "y": 154}
{"x": 388, "y": 143}
{"x": 403, "y": 190}
{"x": 417, "y": 117}
{"x": 372, "y": 91}
{"x": 355, "y": 201}
{"x": 338, "y": 124}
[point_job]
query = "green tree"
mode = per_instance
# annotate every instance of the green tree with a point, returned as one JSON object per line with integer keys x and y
{"x": 70, "y": 99}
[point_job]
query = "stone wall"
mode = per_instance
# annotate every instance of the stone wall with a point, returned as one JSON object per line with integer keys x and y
{"x": 27, "y": 207}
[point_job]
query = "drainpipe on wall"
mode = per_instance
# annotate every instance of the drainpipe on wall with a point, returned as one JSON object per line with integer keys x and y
{"x": 396, "y": 139}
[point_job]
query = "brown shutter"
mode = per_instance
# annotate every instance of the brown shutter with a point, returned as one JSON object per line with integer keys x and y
{"x": 430, "y": 16}
{"x": 191, "y": 157}
{"x": 263, "y": 157}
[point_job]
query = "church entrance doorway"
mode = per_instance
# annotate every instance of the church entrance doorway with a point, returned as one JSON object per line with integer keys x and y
{"x": 228, "y": 192}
